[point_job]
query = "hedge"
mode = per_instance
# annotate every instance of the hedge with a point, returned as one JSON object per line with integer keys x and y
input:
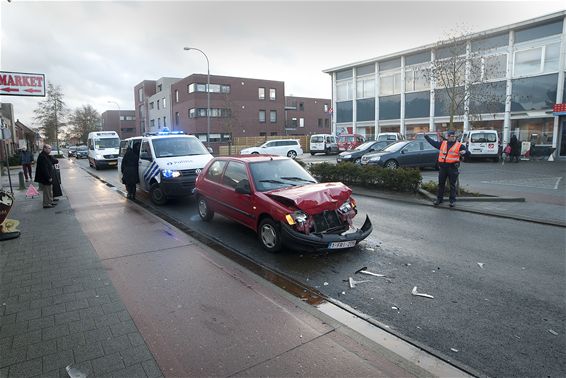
{"x": 402, "y": 179}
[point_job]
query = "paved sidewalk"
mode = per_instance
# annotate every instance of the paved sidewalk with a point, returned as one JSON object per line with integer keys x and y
{"x": 101, "y": 284}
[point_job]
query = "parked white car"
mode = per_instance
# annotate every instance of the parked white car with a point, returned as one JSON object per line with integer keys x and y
{"x": 282, "y": 147}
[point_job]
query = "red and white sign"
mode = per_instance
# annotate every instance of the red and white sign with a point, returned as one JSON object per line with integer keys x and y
{"x": 559, "y": 109}
{"x": 22, "y": 84}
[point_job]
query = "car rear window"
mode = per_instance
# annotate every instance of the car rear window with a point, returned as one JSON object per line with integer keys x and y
{"x": 483, "y": 137}
{"x": 317, "y": 139}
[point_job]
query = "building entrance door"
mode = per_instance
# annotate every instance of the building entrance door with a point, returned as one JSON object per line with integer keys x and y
{"x": 562, "y": 140}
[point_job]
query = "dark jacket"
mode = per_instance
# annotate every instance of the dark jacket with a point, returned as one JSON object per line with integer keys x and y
{"x": 26, "y": 157}
{"x": 45, "y": 170}
{"x": 129, "y": 168}
{"x": 437, "y": 144}
{"x": 515, "y": 146}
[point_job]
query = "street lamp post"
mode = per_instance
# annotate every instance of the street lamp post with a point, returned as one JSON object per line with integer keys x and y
{"x": 207, "y": 93}
{"x": 119, "y": 117}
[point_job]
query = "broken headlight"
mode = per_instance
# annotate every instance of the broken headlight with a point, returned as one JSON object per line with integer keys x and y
{"x": 296, "y": 217}
{"x": 347, "y": 206}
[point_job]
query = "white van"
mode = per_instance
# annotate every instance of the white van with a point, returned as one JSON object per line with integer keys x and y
{"x": 482, "y": 143}
{"x": 168, "y": 164}
{"x": 323, "y": 143}
{"x": 103, "y": 149}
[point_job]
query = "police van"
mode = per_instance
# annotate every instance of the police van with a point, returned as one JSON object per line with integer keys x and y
{"x": 482, "y": 143}
{"x": 323, "y": 143}
{"x": 103, "y": 149}
{"x": 168, "y": 163}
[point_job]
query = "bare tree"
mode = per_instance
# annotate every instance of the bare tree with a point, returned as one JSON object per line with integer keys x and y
{"x": 82, "y": 121}
{"x": 230, "y": 119}
{"x": 50, "y": 113}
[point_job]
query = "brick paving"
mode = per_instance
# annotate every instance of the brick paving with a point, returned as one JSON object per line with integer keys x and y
{"x": 58, "y": 306}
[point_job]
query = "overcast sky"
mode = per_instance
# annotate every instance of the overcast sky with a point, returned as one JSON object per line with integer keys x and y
{"x": 98, "y": 51}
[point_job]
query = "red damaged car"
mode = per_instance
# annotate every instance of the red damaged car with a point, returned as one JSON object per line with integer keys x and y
{"x": 282, "y": 202}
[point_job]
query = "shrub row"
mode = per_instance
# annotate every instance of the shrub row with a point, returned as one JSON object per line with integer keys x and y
{"x": 402, "y": 180}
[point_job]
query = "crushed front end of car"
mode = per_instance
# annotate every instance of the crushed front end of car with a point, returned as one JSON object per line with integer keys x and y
{"x": 321, "y": 217}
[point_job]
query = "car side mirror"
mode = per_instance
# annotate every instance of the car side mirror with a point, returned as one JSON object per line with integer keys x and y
{"x": 145, "y": 156}
{"x": 210, "y": 149}
{"x": 243, "y": 187}
{"x": 403, "y": 151}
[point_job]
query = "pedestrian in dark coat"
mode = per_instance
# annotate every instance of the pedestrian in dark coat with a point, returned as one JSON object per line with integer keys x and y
{"x": 44, "y": 176}
{"x": 26, "y": 158}
{"x": 515, "y": 149}
{"x": 130, "y": 175}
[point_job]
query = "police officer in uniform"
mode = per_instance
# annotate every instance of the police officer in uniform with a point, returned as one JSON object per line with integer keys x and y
{"x": 448, "y": 163}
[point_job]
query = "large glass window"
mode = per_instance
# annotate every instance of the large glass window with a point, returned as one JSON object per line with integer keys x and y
{"x": 272, "y": 94}
{"x": 417, "y": 104}
{"x": 390, "y": 64}
{"x": 390, "y": 84}
{"x": 490, "y": 42}
{"x": 365, "y": 70}
{"x": 488, "y": 98}
{"x": 538, "y": 31}
{"x": 494, "y": 67}
{"x": 346, "y": 74}
{"x": 273, "y": 116}
{"x": 450, "y": 51}
{"x": 417, "y": 58}
{"x": 537, "y": 60}
{"x": 534, "y": 130}
{"x": 262, "y": 116}
{"x": 365, "y": 110}
{"x": 534, "y": 93}
{"x": 344, "y": 90}
{"x": 261, "y": 93}
{"x": 390, "y": 107}
{"x": 416, "y": 80}
{"x": 551, "y": 57}
{"x": 365, "y": 87}
{"x": 344, "y": 111}
{"x": 442, "y": 101}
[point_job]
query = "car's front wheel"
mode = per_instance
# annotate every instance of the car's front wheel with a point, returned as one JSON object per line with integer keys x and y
{"x": 391, "y": 164}
{"x": 157, "y": 195}
{"x": 203, "y": 210}
{"x": 255, "y": 153}
{"x": 269, "y": 233}
{"x": 292, "y": 154}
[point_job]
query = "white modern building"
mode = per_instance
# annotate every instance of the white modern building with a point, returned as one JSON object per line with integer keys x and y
{"x": 522, "y": 65}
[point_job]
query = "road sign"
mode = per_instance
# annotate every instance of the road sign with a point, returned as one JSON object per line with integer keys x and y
{"x": 559, "y": 109}
{"x": 22, "y": 84}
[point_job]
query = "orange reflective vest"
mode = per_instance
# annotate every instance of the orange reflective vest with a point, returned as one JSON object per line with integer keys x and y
{"x": 449, "y": 156}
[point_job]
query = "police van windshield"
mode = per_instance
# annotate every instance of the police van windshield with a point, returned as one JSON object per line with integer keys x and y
{"x": 182, "y": 146}
{"x": 106, "y": 143}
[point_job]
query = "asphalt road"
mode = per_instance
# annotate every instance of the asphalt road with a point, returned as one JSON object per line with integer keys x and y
{"x": 498, "y": 318}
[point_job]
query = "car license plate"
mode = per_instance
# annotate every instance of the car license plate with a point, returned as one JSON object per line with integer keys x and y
{"x": 112, "y": 163}
{"x": 344, "y": 244}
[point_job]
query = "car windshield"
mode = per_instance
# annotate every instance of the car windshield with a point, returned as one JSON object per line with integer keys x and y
{"x": 107, "y": 143}
{"x": 386, "y": 137}
{"x": 395, "y": 147}
{"x": 180, "y": 146}
{"x": 317, "y": 139}
{"x": 277, "y": 174}
{"x": 364, "y": 146}
{"x": 82, "y": 148}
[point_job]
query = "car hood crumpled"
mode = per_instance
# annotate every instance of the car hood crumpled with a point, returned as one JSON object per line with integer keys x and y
{"x": 314, "y": 198}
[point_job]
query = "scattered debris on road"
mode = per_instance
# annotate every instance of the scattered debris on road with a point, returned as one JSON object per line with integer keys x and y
{"x": 370, "y": 249}
{"x": 74, "y": 372}
{"x": 325, "y": 284}
{"x": 481, "y": 265}
{"x": 414, "y": 292}
{"x": 553, "y": 332}
{"x": 364, "y": 270}
{"x": 395, "y": 308}
{"x": 353, "y": 282}
{"x": 454, "y": 350}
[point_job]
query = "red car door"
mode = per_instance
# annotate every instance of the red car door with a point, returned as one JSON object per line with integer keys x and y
{"x": 236, "y": 205}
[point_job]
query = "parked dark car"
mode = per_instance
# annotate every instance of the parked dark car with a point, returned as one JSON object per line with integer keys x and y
{"x": 71, "y": 151}
{"x": 416, "y": 153}
{"x": 81, "y": 152}
{"x": 356, "y": 154}
{"x": 275, "y": 197}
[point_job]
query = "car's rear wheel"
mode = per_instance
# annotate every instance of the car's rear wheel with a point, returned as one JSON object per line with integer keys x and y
{"x": 269, "y": 234}
{"x": 312, "y": 153}
{"x": 204, "y": 210}
{"x": 391, "y": 164}
{"x": 255, "y": 153}
{"x": 292, "y": 154}
{"x": 157, "y": 195}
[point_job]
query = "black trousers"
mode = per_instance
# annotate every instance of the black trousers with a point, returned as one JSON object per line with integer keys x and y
{"x": 449, "y": 171}
{"x": 131, "y": 189}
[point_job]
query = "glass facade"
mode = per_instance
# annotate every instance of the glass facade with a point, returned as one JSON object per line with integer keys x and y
{"x": 539, "y": 31}
{"x": 443, "y": 99}
{"x": 417, "y": 105}
{"x": 534, "y": 93}
{"x": 534, "y": 130}
{"x": 344, "y": 111}
{"x": 490, "y": 42}
{"x": 390, "y": 107}
{"x": 365, "y": 110}
{"x": 488, "y": 98}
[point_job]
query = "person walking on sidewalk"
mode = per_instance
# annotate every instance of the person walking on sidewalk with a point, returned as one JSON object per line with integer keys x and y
{"x": 515, "y": 149}
{"x": 44, "y": 176}
{"x": 26, "y": 158}
{"x": 130, "y": 175}
{"x": 448, "y": 164}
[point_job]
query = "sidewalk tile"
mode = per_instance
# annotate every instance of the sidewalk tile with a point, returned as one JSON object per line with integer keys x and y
{"x": 58, "y": 360}
{"x": 42, "y": 349}
{"x": 107, "y": 364}
{"x": 151, "y": 369}
{"x": 134, "y": 371}
{"x": 88, "y": 351}
{"x": 136, "y": 354}
{"x": 26, "y": 369}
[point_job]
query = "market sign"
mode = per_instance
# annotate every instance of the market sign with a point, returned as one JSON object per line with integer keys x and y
{"x": 559, "y": 109}
{"x": 22, "y": 84}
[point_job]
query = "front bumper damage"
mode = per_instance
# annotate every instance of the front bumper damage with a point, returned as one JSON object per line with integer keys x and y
{"x": 324, "y": 242}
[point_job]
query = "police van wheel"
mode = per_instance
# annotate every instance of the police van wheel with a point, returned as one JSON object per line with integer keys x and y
{"x": 203, "y": 210}
{"x": 156, "y": 194}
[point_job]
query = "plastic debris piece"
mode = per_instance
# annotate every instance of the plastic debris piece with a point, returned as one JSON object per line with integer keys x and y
{"x": 395, "y": 308}
{"x": 454, "y": 350}
{"x": 343, "y": 293}
{"x": 353, "y": 282}
{"x": 359, "y": 270}
{"x": 414, "y": 292}
{"x": 365, "y": 271}
{"x": 370, "y": 249}
{"x": 481, "y": 265}
{"x": 325, "y": 284}
{"x": 408, "y": 264}
{"x": 553, "y": 332}
{"x": 74, "y": 372}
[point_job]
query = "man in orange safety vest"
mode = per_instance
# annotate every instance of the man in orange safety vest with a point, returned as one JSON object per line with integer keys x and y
{"x": 448, "y": 164}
